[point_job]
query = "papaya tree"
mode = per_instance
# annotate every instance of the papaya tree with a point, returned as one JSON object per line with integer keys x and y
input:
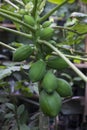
{"x": 45, "y": 53}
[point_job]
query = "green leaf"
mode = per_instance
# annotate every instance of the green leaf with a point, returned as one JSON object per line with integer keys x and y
{"x": 80, "y": 28}
{"x": 8, "y": 71}
{"x": 84, "y": 1}
{"x": 9, "y": 115}
{"x": 2, "y": 83}
{"x": 10, "y": 106}
{"x": 3, "y": 99}
{"x": 4, "y": 73}
{"x": 24, "y": 127}
{"x": 20, "y": 109}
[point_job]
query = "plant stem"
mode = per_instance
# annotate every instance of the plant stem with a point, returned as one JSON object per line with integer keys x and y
{"x": 11, "y": 13}
{"x": 73, "y": 57}
{"x": 66, "y": 28}
{"x": 9, "y": 2}
{"x": 7, "y": 46}
{"x": 35, "y": 8}
{"x": 66, "y": 59}
{"x": 16, "y": 32}
{"x": 16, "y": 117}
{"x": 17, "y": 21}
{"x": 51, "y": 12}
{"x": 20, "y": 2}
{"x": 71, "y": 50}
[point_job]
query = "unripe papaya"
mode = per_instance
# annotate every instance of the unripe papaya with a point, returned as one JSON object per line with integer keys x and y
{"x": 22, "y": 53}
{"x": 49, "y": 82}
{"x": 46, "y": 24}
{"x": 29, "y": 20}
{"x": 46, "y": 33}
{"x": 50, "y": 104}
{"x": 56, "y": 62}
{"x": 22, "y": 11}
{"x": 64, "y": 89}
{"x": 37, "y": 70}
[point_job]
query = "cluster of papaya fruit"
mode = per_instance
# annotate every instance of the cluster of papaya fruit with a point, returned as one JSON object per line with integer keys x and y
{"x": 51, "y": 88}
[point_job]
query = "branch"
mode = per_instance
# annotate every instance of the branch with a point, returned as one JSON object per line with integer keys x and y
{"x": 71, "y": 50}
{"x": 7, "y": 46}
{"x": 66, "y": 59}
{"x": 51, "y": 12}
{"x": 9, "y": 2}
{"x": 17, "y": 21}
{"x": 20, "y": 2}
{"x": 73, "y": 57}
{"x": 66, "y": 28}
{"x": 16, "y": 32}
{"x": 11, "y": 13}
{"x": 35, "y": 8}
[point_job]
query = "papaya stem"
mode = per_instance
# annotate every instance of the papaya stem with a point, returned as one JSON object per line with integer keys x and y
{"x": 20, "y": 2}
{"x": 74, "y": 57}
{"x": 71, "y": 50}
{"x": 17, "y": 21}
{"x": 66, "y": 28}
{"x": 66, "y": 59}
{"x": 11, "y": 13}
{"x": 16, "y": 32}
{"x": 35, "y": 8}
{"x": 9, "y": 2}
{"x": 70, "y": 30}
{"x": 7, "y": 46}
{"x": 51, "y": 12}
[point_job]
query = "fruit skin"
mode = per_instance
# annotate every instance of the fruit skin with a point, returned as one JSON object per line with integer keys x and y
{"x": 56, "y": 62}
{"x": 49, "y": 83}
{"x": 50, "y": 103}
{"x": 46, "y": 24}
{"x": 22, "y": 53}
{"x": 29, "y": 20}
{"x": 63, "y": 88}
{"x": 46, "y": 33}
{"x": 37, "y": 70}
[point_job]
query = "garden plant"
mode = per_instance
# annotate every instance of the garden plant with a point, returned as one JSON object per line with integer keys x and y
{"x": 43, "y": 54}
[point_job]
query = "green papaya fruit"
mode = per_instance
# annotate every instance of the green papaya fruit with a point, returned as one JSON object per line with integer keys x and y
{"x": 56, "y": 62}
{"x": 46, "y": 33}
{"x": 46, "y": 24}
{"x": 37, "y": 70}
{"x": 49, "y": 82}
{"x": 22, "y": 11}
{"x": 29, "y": 20}
{"x": 64, "y": 89}
{"x": 50, "y": 104}
{"x": 22, "y": 53}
